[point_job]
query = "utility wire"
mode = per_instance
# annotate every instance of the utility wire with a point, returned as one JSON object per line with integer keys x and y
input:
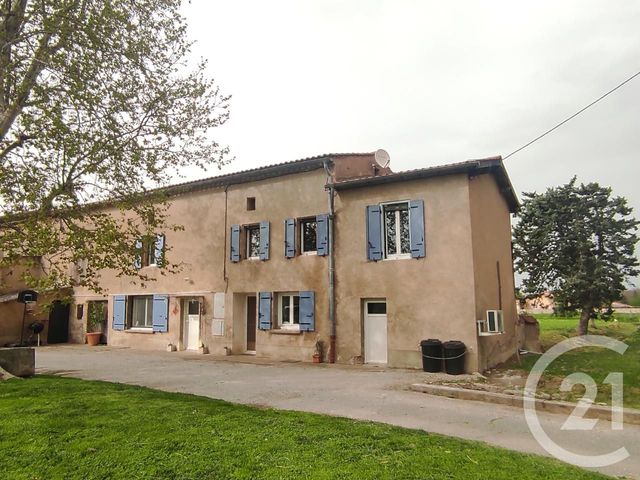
{"x": 574, "y": 115}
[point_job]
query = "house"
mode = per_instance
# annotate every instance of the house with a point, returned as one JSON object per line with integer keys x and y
{"x": 334, "y": 248}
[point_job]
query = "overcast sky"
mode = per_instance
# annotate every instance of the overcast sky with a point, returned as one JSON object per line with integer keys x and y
{"x": 431, "y": 82}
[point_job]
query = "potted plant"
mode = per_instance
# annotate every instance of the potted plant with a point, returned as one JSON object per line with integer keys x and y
{"x": 94, "y": 323}
{"x": 317, "y": 355}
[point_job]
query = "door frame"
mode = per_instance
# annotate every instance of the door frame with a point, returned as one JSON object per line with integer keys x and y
{"x": 246, "y": 324}
{"x": 185, "y": 321}
{"x": 365, "y": 314}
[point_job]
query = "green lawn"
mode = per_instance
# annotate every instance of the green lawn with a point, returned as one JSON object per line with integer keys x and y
{"x": 596, "y": 362}
{"x": 61, "y": 428}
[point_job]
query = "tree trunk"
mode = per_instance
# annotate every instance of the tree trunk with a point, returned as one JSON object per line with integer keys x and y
{"x": 584, "y": 321}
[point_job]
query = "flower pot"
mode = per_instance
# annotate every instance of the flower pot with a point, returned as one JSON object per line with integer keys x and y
{"x": 93, "y": 338}
{"x": 316, "y": 358}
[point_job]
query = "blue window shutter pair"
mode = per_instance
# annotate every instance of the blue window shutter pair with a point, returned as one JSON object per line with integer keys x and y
{"x": 374, "y": 232}
{"x": 264, "y": 310}
{"x": 137, "y": 259}
{"x": 160, "y": 314}
{"x": 119, "y": 312}
{"x": 322, "y": 234}
{"x": 264, "y": 241}
{"x": 235, "y": 243}
{"x": 290, "y": 238}
{"x": 307, "y": 312}
{"x": 375, "y": 240}
{"x": 159, "y": 250}
{"x": 416, "y": 226}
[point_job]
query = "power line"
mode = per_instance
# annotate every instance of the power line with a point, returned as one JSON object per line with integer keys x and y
{"x": 574, "y": 115}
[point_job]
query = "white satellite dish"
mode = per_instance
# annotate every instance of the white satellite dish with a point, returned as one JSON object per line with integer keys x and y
{"x": 382, "y": 158}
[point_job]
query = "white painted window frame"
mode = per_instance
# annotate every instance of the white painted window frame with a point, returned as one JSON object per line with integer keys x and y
{"x": 289, "y": 325}
{"x": 483, "y": 325}
{"x": 395, "y": 256}
{"x": 147, "y": 307}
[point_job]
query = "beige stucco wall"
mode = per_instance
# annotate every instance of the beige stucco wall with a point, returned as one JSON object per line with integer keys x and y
{"x": 491, "y": 233}
{"x": 430, "y": 297}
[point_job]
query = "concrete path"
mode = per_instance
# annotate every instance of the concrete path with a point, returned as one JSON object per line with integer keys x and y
{"x": 366, "y": 393}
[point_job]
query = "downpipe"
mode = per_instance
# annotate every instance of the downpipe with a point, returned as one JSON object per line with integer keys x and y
{"x": 332, "y": 296}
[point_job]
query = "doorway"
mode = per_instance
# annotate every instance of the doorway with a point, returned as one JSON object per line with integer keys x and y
{"x": 252, "y": 315}
{"x": 191, "y": 319}
{"x": 375, "y": 331}
{"x": 58, "y": 323}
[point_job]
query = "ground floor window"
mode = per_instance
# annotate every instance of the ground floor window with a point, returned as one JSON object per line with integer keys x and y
{"x": 141, "y": 314}
{"x": 289, "y": 309}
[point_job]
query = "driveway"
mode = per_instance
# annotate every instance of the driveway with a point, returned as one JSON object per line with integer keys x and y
{"x": 365, "y": 393}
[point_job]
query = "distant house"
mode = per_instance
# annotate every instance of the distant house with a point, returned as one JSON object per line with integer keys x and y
{"x": 334, "y": 248}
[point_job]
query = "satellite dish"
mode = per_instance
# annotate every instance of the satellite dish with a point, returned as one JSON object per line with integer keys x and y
{"x": 382, "y": 158}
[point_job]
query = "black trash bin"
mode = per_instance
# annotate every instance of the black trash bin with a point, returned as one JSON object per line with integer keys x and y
{"x": 431, "y": 355}
{"x": 454, "y": 352}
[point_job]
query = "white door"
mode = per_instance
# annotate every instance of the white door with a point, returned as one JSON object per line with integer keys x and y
{"x": 192, "y": 325}
{"x": 375, "y": 331}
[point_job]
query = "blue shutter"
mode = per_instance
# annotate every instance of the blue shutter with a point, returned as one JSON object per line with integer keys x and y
{"x": 119, "y": 311}
{"x": 290, "y": 238}
{"x": 137, "y": 259}
{"x": 264, "y": 241}
{"x": 160, "y": 314}
{"x": 235, "y": 243}
{"x": 159, "y": 250}
{"x": 416, "y": 226}
{"x": 322, "y": 234}
{"x": 264, "y": 310}
{"x": 307, "y": 312}
{"x": 374, "y": 232}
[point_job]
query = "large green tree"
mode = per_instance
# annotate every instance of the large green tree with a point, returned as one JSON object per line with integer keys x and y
{"x": 578, "y": 242}
{"x": 98, "y": 102}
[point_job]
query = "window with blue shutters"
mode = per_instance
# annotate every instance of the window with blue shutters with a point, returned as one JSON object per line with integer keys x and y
{"x": 160, "y": 315}
{"x": 396, "y": 230}
{"x": 137, "y": 259}
{"x": 264, "y": 310}
{"x": 158, "y": 251}
{"x": 264, "y": 241}
{"x": 322, "y": 234}
{"x": 290, "y": 238}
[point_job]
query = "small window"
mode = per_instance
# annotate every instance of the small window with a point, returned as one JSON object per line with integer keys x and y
{"x": 396, "y": 230}
{"x": 251, "y": 203}
{"x": 308, "y": 235}
{"x": 150, "y": 251}
{"x": 376, "y": 308}
{"x": 493, "y": 324}
{"x": 141, "y": 312}
{"x": 289, "y": 310}
{"x": 253, "y": 241}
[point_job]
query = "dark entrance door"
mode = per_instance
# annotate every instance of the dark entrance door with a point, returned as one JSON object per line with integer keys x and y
{"x": 58, "y": 323}
{"x": 251, "y": 324}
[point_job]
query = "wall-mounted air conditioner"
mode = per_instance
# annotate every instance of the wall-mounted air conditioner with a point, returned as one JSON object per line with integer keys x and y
{"x": 493, "y": 324}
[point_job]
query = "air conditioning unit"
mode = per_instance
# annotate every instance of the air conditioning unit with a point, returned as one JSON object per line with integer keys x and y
{"x": 493, "y": 324}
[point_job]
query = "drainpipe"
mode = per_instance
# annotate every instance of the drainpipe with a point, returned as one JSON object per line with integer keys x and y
{"x": 332, "y": 295}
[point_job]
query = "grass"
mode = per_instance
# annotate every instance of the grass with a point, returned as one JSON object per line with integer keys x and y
{"x": 62, "y": 428}
{"x": 596, "y": 362}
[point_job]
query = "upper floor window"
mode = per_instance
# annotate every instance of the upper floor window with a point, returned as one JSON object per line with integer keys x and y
{"x": 150, "y": 251}
{"x": 396, "y": 230}
{"x": 308, "y": 235}
{"x": 253, "y": 241}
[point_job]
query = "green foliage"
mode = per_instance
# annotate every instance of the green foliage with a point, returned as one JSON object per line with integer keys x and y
{"x": 97, "y": 102}
{"x": 576, "y": 241}
{"x": 95, "y": 316}
{"x": 59, "y": 428}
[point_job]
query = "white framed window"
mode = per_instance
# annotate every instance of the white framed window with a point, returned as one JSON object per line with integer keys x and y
{"x": 493, "y": 324}
{"x": 253, "y": 241}
{"x": 289, "y": 310}
{"x": 141, "y": 312}
{"x": 308, "y": 235}
{"x": 395, "y": 217}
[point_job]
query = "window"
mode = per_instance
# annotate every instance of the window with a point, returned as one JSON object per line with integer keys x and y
{"x": 396, "y": 230}
{"x": 150, "y": 251}
{"x": 141, "y": 313}
{"x": 251, "y": 203}
{"x": 376, "y": 308}
{"x": 308, "y": 235}
{"x": 253, "y": 241}
{"x": 289, "y": 310}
